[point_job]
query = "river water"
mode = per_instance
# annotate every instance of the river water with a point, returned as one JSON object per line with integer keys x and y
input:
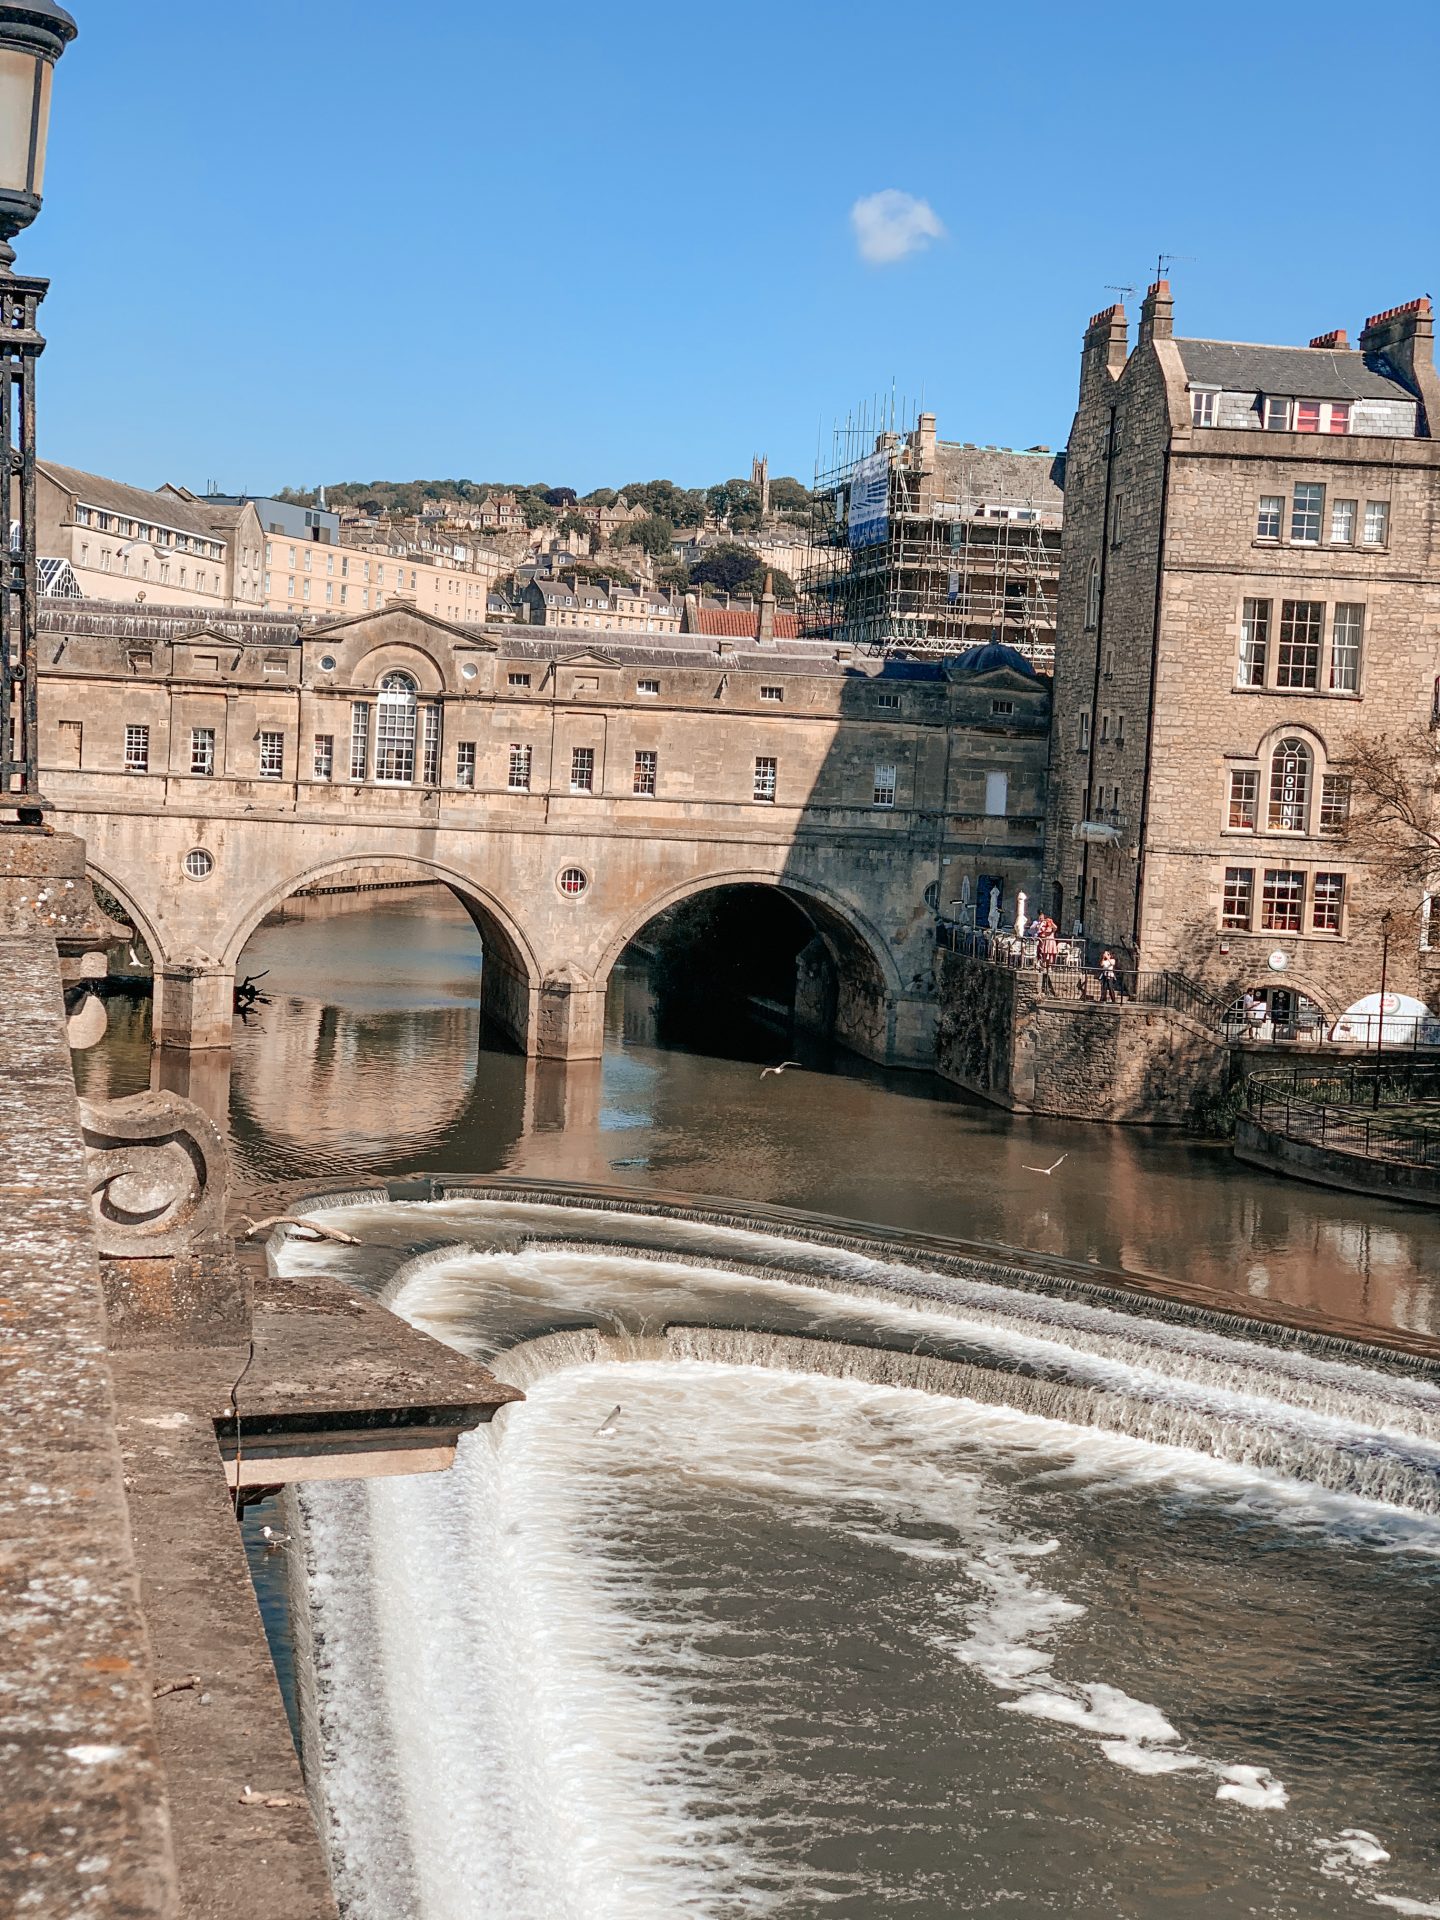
{"x": 370, "y": 1061}
{"x": 727, "y": 1623}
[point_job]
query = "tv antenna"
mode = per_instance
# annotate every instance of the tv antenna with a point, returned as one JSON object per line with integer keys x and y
{"x": 1111, "y": 287}
{"x": 1164, "y": 261}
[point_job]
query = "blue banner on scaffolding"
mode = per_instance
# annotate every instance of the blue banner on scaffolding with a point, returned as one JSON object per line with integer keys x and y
{"x": 869, "y": 519}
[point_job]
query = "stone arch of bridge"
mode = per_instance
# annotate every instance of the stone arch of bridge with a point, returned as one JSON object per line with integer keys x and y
{"x": 511, "y": 978}
{"x": 142, "y": 921}
{"x": 854, "y": 998}
{"x": 846, "y": 931}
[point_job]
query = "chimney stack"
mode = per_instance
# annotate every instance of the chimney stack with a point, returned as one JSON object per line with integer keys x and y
{"x": 1405, "y": 337}
{"x": 765, "y": 625}
{"x": 1107, "y": 344}
{"x": 1157, "y": 313}
{"x": 1336, "y": 338}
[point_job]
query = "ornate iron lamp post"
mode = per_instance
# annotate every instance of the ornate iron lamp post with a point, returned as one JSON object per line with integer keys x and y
{"x": 33, "y": 35}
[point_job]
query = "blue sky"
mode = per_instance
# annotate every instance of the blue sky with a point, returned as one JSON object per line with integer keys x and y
{"x": 295, "y": 241}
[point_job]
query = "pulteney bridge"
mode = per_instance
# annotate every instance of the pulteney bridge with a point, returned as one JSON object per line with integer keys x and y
{"x": 566, "y": 791}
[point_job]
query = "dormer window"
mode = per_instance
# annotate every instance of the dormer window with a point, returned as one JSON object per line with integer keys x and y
{"x": 1284, "y": 415}
{"x": 1202, "y": 406}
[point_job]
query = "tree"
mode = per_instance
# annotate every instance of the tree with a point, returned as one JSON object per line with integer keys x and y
{"x": 735, "y": 501}
{"x": 537, "y": 511}
{"x": 673, "y": 575}
{"x": 735, "y": 569}
{"x": 1393, "y": 822}
{"x": 560, "y": 496}
{"x": 652, "y": 534}
{"x": 681, "y": 506}
{"x": 575, "y": 523}
{"x": 790, "y": 498}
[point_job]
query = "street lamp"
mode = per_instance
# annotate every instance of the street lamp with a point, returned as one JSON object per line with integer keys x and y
{"x": 1387, "y": 927}
{"x": 33, "y": 35}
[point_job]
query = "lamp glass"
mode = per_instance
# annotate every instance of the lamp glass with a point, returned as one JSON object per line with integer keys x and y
{"x": 17, "y": 106}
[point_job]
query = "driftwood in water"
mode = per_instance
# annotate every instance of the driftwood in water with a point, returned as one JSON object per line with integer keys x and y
{"x": 310, "y": 1228}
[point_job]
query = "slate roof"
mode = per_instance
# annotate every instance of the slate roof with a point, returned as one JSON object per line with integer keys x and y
{"x": 135, "y": 503}
{"x": 1304, "y": 373}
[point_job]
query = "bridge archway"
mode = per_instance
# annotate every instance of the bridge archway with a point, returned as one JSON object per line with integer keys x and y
{"x": 846, "y": 984}
{"x": 510, "y": 981}
{"x": 128, "y": 898}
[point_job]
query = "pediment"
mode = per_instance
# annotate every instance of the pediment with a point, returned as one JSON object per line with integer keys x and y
{"x": 384, "y": 626}
{"x": 589, "y": 658}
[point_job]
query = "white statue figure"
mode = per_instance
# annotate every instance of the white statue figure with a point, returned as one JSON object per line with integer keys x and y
{"x": 1020, "y": 921}
{"x": 993, "y": 917}
{"x": 965, "y": 897}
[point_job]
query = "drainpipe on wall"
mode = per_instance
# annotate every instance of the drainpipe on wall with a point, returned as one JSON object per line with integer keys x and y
{"x": 1150, "y": 718}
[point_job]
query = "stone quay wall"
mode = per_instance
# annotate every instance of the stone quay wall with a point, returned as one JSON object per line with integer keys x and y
{"x": 999, "y": 1036}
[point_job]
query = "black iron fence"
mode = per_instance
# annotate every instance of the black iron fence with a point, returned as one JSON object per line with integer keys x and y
{"x": 1385, "y": 1112}
{"x": 1075, "y": 975}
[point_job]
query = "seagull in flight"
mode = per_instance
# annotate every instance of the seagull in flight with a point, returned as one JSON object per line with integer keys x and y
{"x": 607, "y": 1425}
{"x": 1063, "y": 1157}
{"x": 780, "y": 1069}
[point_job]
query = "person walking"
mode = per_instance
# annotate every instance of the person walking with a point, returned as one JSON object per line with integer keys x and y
{"x": 1109, "y": 984}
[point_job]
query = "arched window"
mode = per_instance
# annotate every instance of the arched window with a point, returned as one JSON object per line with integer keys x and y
{"x": 395, "y": 730}
{"x": 1092, "y": 595}
{"x": 1291, "y": 766}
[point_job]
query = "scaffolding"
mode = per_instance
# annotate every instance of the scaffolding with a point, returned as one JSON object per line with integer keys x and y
{"x": 959, "y": 545}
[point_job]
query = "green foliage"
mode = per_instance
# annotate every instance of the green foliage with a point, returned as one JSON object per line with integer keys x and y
{"x": 576, "y": 523}
{"x": 673, "y": 575}
{"x": 790, "y": 497}
{"x": 736, "y": 501}
{"x": 734, "y": 569}
{"x": 1213, "y": 1113}
{"x": 662, "y": 499}
{"x": 652, "y": 535}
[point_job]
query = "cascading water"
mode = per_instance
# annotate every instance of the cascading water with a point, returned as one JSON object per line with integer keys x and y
{"x": 785, "y": 1636}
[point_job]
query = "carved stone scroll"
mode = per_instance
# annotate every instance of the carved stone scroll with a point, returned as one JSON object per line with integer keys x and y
{"x": 157, "y": 1174}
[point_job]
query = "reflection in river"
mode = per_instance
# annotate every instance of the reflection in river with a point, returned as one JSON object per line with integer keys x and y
{"x": 370, "y": 1060}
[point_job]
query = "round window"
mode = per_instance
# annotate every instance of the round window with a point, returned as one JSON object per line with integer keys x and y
{"x": 469, "y": 670}
{"x": 199, "y": 865}
{"x": 327, "y": 663}
{"x": 573, "y": 881}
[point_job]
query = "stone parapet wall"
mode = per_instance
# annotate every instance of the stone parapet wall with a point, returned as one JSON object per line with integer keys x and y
{"x": 80, "y": 1775}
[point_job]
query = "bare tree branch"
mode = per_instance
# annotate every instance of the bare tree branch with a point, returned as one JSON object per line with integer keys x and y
{"x": 1393, "y": 822}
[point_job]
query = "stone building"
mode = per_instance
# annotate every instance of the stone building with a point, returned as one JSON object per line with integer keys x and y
{"x": 167, "y": 546}
{"x": 1251, "y": 584}
{"x": 565, "y": 600}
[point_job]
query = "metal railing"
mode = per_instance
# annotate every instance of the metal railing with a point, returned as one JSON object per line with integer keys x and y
{"x": 1360, "y": 1108}
{"x": 1073, "y": 975}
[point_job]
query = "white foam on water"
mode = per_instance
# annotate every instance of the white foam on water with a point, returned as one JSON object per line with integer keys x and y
{"x": 1401, "y": 1903}
{"x": 576, "y": 1779}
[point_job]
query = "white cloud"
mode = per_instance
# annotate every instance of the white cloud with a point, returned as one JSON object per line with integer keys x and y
{"x": 890, "y": 224}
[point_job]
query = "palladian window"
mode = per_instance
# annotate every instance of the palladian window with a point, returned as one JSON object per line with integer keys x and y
{"x": 395, "y": 713}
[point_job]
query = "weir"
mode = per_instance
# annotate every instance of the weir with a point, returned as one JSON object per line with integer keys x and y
{"x": 579, "y": 1624}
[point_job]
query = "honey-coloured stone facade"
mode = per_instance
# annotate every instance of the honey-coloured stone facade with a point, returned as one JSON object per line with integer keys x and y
{"x": 1176, "y": 533}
